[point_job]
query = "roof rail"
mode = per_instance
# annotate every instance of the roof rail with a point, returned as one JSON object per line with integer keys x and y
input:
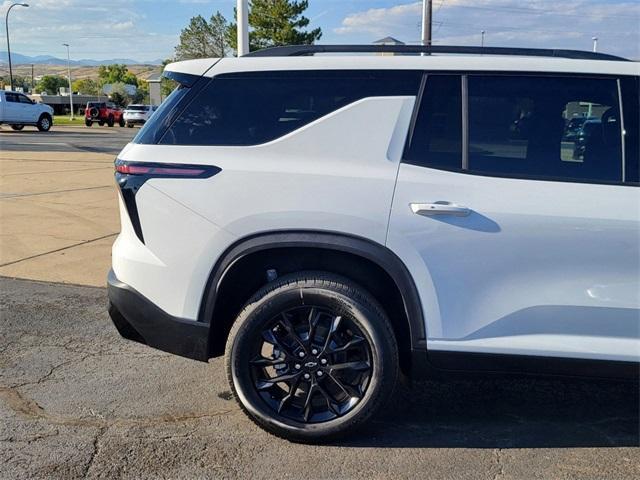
{"x": 299, "y": 50}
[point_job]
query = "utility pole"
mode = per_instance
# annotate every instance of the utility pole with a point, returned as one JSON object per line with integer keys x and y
{"x": 243, "y": 27}
{"x": 482, "y": 41}
{"x": 33, "y": 85}
{"x": 595, "y": 44}
{"x": 69, "y": 72}
{"x": 6, "y": 26}
{"x": 427, "y": 21}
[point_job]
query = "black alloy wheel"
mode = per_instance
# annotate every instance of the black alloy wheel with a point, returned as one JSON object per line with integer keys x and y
{"x": 311, "y": 364}
{"x": 311, "y": 357}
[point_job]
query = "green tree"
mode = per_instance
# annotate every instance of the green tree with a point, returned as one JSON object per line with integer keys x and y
{"x": 202, "y": 39}
{"x": 116, "y": 73}
{"x": 86, "y": 86}
{"x": 274, "y": 23}
{"x": 119, "y": 95}
{"x": 51, "y": 84}
{"x": 142, "y": 94}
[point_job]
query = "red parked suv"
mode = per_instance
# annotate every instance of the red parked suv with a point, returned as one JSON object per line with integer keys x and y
{"x": 103, "y": 112}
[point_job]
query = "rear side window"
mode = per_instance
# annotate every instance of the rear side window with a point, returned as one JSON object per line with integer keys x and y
{"x": 437, "y": 136}
{"x": 547, "y": 127}
{"x": 255, "y": 108}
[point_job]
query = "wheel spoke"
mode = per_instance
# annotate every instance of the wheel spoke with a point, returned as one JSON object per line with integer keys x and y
{"x": 266, "y": 362}
{"x": 346, "y": 389}
{"x": 359, "y": 366}
{"x": 335, "y": 323}
{"x": 314, "y": 317}
{"x": 350, "y": 344}
{"x": 329, "y": 400}
{"x": 270, "y": 337}
{"x": 306, "y": 409}
{"x": 286, "y": 323}
{"x": 292, "y": 391}
{"x": 269, "y": 382}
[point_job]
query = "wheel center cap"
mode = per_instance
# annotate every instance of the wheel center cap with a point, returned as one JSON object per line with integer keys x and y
{"x": 311, "y": 364}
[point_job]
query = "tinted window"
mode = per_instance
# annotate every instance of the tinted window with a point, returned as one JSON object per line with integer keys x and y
{"x": 24, "y": 99}
{"x": 254, "y": 108}
{"x": 631, "y": 110}
{"x": 545, "y": 127}
{"x": 154, "y": 128}
{"x": 11, "y": 97}
{"x": 436, "y": 140}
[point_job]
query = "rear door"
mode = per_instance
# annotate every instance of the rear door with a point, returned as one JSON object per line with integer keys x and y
{"x": 523, "y": 241}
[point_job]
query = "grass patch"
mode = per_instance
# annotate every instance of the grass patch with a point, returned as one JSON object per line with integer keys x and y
{"x": 66, "y": 120}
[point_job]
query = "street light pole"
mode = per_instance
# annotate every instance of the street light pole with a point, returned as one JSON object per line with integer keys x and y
{"x": 427, "y": 21}
{"x": 242, "y": 9}
{"x": 595, "y": 44}
{"x": 482, "y": 41}
{"x": 69, "y": 72}
{"x": 6, "y": 25}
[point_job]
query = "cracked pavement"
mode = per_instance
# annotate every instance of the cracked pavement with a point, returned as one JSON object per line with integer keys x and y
{"x": 78, "y": 401}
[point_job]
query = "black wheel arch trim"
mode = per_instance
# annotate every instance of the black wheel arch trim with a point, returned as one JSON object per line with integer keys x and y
{"x": 367, "y": 249}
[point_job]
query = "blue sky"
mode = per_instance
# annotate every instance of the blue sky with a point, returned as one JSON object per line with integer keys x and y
{"x": 149, "y": 29}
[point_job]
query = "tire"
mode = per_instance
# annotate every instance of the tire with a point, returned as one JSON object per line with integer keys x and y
{"x": 101, "y": 123}
{"x": 121, "y": 122}
{"x": 44, "y": 123}
{"x": 88, "y": 123}
{"x": 344, "y": 374}
{"x": 17, "y": 127}
{"x": 129, "y": 125}
{"x": 110, "y": 121}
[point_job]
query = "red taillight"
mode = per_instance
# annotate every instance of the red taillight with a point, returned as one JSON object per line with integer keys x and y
{"x": 164, "y": 170}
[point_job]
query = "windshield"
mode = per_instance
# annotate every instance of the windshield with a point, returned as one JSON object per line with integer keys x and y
{"x": 138, "y": 108}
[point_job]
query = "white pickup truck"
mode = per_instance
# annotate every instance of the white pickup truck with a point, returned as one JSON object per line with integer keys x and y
{"x": 18, "y": 110}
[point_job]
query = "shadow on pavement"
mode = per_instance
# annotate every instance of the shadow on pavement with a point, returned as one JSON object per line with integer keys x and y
{"x": 507, "y": 413}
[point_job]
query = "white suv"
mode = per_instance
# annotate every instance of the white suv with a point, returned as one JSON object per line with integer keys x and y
{"x": 327, "y": 222}
{"x": 138, "y": 114}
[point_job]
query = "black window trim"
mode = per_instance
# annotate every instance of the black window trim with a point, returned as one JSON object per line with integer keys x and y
{"x": 464, "y": 75}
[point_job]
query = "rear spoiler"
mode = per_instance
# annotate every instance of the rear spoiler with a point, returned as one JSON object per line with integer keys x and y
{"x": 188, "y": 71}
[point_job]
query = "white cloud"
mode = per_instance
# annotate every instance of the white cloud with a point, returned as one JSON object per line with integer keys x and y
{"x": 536, "y": 23}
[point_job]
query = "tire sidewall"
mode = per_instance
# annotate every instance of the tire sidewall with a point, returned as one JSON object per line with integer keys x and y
{"x": 41, "y": 123}
{"x": 254, "y": 321}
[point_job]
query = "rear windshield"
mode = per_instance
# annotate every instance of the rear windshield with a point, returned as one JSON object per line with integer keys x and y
{"x": 96, "y": 104}
{"x": 138, "y": 108}
{"x": 153, "y": 129}
{"x": 257, "y": 107}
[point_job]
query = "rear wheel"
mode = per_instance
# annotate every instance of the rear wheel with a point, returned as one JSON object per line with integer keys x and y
{"x": 101, "y": 123}
{"x": 110, "y": 121}
{"x": 129, "y": 125}
{"x": 311, "y": 357}
{"x": 44, "y": 123}
{"x": 17, "y": 127}
{"x": 88, "y": 123}
{"x": 121, "y": 122}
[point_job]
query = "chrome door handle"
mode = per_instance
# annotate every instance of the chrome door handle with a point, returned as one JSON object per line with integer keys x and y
{"x": 439, "y": 208}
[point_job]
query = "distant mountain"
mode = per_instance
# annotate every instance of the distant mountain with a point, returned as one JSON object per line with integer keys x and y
{"x": 18, "y": 59}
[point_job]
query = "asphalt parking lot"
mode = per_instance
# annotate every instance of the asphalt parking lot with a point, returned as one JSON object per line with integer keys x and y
{"x": 77, "y": 401}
